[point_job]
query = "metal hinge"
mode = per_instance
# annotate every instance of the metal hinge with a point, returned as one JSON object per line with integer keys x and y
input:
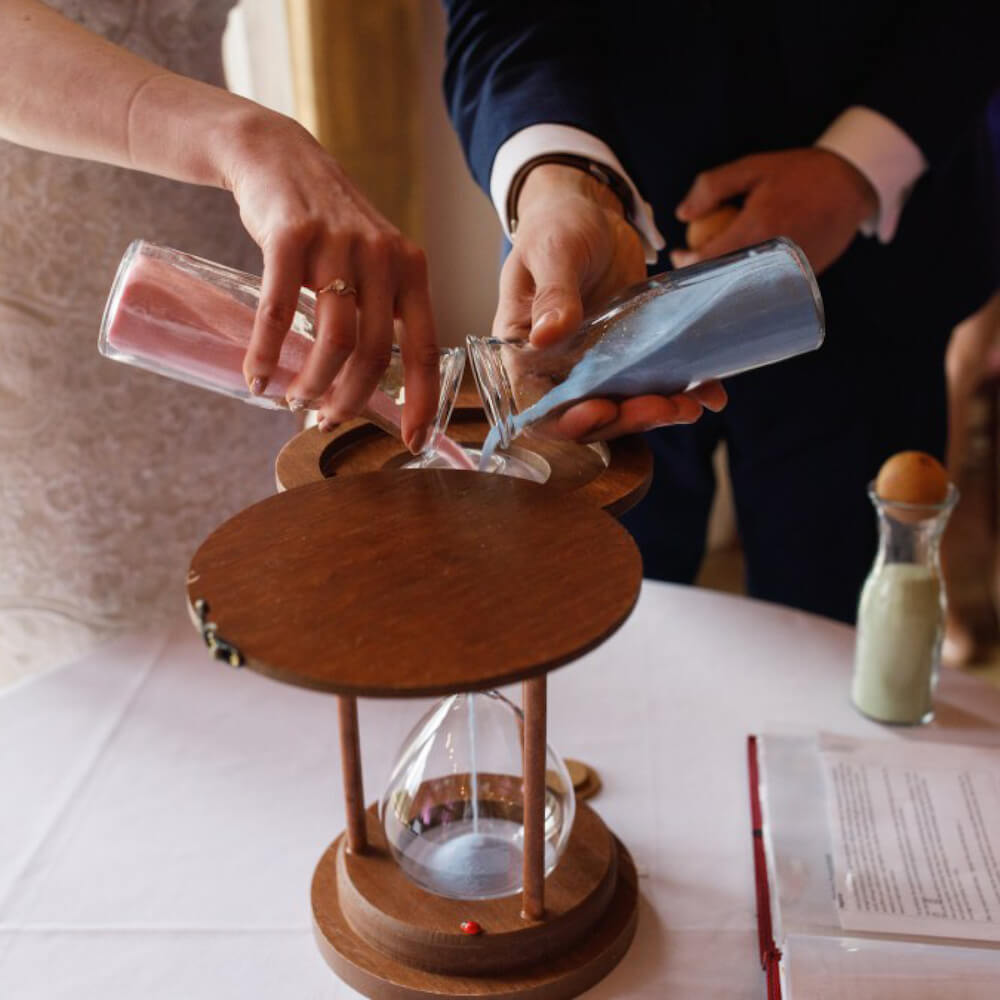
{"x": 220, "y": 648}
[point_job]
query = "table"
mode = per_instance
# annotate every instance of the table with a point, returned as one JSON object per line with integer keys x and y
{"x": 161, "y": 814}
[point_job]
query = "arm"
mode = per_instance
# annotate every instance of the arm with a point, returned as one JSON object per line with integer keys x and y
{"x": 512, "y": 66}
{"x": 575, "y": 245}
{"x": 67, "y": 91}
{"x": 926, "y": 85}
{"x": 515, "y": 64}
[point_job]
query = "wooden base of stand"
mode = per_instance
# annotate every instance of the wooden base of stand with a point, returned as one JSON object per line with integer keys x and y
{"x": 391, "y": 940}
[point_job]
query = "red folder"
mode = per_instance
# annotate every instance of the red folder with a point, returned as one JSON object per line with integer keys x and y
{"x": 770, "y": 956}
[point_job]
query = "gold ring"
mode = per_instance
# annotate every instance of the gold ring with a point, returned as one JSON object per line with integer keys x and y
{"x": 339, "y": 287}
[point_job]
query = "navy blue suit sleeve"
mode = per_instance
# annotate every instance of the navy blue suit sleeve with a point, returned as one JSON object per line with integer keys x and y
{"x": 511, "y": 64}
{"x": 935, "y": 76}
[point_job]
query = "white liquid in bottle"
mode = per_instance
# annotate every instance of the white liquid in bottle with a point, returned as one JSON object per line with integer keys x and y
{"x": 900, "y": 627}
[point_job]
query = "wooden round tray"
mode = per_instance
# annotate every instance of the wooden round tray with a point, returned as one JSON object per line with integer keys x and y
{"x": 615, "y": 476}
{"x": 414, "y": 582}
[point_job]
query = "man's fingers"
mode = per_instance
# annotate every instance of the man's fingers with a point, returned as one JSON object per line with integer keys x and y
{"x": 644, "y": 413}
{"x": 512, "y": 320}
{"x": 744, "y": 232}
{"x": 602, "y": 419}
{"x": 712, "y": 187}
{"x": 284, "y": 266}
{"x": 557, "y": 305}
{"x": 707, "y": 227}
{"x": 712, "y": 395}
{"x": 585, "y": 420}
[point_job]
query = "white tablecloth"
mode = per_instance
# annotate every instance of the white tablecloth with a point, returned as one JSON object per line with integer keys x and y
{"x": 161, "y": 814}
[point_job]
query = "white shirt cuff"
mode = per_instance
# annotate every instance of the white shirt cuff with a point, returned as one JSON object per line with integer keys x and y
{"x": 539, "y": 140}
{"x": 890, "y": 160}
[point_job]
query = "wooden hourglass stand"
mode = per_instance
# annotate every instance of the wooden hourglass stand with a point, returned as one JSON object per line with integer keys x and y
{"x": 614, "y": 476}
{"x": 409, "y": 583}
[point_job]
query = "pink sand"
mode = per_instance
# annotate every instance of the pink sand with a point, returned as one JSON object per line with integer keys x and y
{"x": 183, "y": 326}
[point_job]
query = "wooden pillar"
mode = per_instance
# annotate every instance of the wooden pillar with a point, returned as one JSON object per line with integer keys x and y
{"x": 533, "y": 899}
{"x": 356, "y": 70}
{"x": 350, "y": 762}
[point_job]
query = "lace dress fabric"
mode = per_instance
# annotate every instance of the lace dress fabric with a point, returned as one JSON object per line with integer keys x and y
{"x": 109, "y": 476}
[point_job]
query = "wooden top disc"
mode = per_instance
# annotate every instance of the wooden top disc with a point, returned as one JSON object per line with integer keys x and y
{"x": 415, "y": 582}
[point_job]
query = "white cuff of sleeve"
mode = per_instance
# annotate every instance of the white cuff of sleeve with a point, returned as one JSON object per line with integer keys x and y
{"x": 539, "y": 140}
{"x": 890, "y": 160}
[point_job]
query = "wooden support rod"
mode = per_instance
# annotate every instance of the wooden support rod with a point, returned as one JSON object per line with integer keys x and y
{"x": 533, "y": 898}
{"x": 350, "y": 762}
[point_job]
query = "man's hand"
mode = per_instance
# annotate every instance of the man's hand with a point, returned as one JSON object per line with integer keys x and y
{"x": 812, "y": 196}
{"x": 573, "y": 250}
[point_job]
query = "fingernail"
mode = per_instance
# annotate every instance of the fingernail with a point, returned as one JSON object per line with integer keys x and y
{"x": 546, "y": 319}
{"x": 258, "y": 384}
{"x": 683, "y": 258}
{"x": 296, "y": 405}
{"x": 682, "y": 211}
{"x": 418, "y": 440}
{"x": 327, "y": 424}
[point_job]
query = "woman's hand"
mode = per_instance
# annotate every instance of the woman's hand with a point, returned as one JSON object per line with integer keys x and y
{"x": 315, "y": 227}
{"x": 74, "y": 93}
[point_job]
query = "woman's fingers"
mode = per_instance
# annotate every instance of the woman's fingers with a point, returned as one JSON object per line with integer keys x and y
{"x": 284, "y": 269}
{"x": 421, "y": 357}
{"x": 372, "y": 347}
{"x": 336, "y": 331}
{"x": 363, "y": 284}
{"x": 316, "y": 229}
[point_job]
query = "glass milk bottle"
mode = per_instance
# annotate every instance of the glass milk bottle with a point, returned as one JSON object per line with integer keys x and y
{"x": 190, "y": 319}
{"x": 901, "y": 613}
{"x": 662, "y": 336}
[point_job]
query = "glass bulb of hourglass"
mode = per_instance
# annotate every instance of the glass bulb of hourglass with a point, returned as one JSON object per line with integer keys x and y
{"x": 452, "y": 811}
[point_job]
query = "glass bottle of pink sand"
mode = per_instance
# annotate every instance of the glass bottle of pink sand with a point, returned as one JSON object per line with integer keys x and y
{"x": 190, "y": 319}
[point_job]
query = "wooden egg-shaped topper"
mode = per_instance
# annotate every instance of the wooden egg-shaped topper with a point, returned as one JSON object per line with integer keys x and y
{"x": 423, "y": 582}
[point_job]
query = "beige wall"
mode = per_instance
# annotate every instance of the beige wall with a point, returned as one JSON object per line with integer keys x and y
{"x": 461, "y": 232}
{"x": 451, "y": 217}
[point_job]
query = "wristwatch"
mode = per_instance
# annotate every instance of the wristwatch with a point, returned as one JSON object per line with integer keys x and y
{"x": 600, "y": 172}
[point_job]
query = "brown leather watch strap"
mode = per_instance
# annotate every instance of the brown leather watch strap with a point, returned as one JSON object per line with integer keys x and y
{"x": 599, "y": 171}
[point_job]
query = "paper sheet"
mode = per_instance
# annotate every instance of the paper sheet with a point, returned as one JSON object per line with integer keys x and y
{"x": 826, "y": 968}
{"x": 915, "y": 831}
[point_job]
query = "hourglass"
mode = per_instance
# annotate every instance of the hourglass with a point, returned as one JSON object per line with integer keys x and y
{"x": 476, "y": 873}
{"x": 453, "y": 813}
